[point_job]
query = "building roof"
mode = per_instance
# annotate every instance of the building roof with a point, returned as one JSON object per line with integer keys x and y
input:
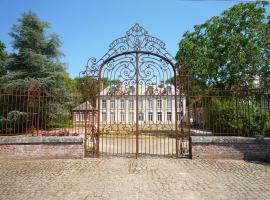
{"x": 149, "y": 89}
{"x": 84, "y": 106}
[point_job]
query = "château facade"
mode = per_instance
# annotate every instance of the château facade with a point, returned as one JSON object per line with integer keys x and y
{"x": 156, "y": 104}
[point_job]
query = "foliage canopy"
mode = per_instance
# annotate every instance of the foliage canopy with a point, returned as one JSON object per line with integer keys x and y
{"x": 36, "y": 55}
{"x": 230, "y": 49}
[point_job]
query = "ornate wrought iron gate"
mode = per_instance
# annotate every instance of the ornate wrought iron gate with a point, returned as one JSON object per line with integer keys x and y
{"x": 141, "y": 101}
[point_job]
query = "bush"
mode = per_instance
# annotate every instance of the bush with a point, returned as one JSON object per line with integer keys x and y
{"x": 4, "y": 125}
{"x": 14, "y": 122}
{"x": 241, "y": 117}
{"x": 17, "y": 116}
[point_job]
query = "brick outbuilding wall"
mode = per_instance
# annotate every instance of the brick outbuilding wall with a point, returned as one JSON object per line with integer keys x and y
{"x": 41, "y": 147}
{"x": 208, "y": 147}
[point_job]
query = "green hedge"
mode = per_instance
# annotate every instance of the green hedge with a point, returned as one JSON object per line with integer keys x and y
{"x": 15, "y": 121}
{"x": 231, "y": 116}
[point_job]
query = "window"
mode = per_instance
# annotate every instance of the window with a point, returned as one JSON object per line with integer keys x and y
{"x": 169, "y": 102}
{"x": 85, "y": 116}
{"x": 112, "y": 117}
{"x": 141, "y": 104}
{"x": 141, "y": 116}
{"x": 123, "y": 116}
{"x": 80, "y": 116}
{"x": 150, "y": 90}
{"x": 150, "y": 116}
{"x": 179, "y": 103}
{"x": 104, "y": 116}
{"x": 77, "y": 116}
{"x": 131, "y": 104}
{"x": 132, "y": 90}
{"x": 131, "y": 117}
{"x": 104, "y": 104}
{"x": 150, "y": 103}
{"x": 112, "y": 104}
{"x": 159, "y": 103}
{"x": 169, "y": 116}
{"x": 123, "y": 104}
{"x": 169, "y": 90}
{"x": 178, "y": 116}
{"x": 159, "y": 116}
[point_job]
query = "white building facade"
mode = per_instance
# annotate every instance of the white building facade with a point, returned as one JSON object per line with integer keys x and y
{"x": 156, "y": 104}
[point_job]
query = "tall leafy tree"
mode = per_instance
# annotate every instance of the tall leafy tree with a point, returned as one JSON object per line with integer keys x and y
{"x": 36, "y": 55}
{"x": 88, "y": 88}
{"x": 3, "y": 59}
{"x": 229, "y": 50}
{"x": 35, "y": 62}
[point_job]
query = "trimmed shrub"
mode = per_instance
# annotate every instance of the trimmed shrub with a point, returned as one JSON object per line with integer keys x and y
{"x": 15, "y": 121}
{"x": 232, "y": 116}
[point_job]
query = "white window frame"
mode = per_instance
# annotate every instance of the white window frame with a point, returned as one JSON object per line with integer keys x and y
{"x": 131, "y": 104}
{"x": 141, "y": 104}
{"x": 141, "y": 116}
{"x": 150, "y": 116}
{"x": 77, "y": 116}
{"x": 150, "y": 104}
{"x": 112, "y": 104}
{"x": 169, "y": 116}
{"x": 169, "y": 90}
{"x": 123, "y": 116}
{"x": 169, "y": 102}
{"x": 104, "y": 104}
{"x": 159, "y": 116}
{"x": 81, "y": 116}
{"x": 112, "y": 117}
{"x": 179, "y": 103}
{"x": 104, "y": 117}
{"x": 159, "y": 103}
{"x": 178, "y": 116}
{"x": 122, "y": 104}
{"x": 131, "y": 116}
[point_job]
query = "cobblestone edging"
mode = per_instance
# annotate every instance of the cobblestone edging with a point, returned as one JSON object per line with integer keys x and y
{"x": 229, "y": 147}
{"x": 41, "y": 147}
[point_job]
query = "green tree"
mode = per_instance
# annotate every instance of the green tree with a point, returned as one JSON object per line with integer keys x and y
{"x": 35, "y": 62}
{"x": 230, "y": 49}
{"x": 88, "y": 88}
{"x": 3, "y": 59}
{"x": 36, "y": 55}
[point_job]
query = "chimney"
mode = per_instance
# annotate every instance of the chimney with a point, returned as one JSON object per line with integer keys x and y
{"x": 161, "y": 85}
{"x": 101, "y": 86}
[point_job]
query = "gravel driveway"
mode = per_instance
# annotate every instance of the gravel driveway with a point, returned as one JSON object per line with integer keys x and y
{"x": 123, "y": 178}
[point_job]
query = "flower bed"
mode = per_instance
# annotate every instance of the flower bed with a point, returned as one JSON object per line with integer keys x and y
{"x": 55, "y": 132}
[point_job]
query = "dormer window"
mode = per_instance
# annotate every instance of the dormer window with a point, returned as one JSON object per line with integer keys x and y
{"x": 150, "y": 90}
{"x": 169, "y": 90}
{"x": 132, "y": 89}
{"x": 113, "y": 89}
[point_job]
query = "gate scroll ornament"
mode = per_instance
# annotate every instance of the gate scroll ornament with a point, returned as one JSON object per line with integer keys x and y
{"x": 140, "y": 51}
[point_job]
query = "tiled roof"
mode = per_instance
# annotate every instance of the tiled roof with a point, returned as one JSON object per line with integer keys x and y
{"x": 154, "y": 89}
{"x": 84, "y": 106}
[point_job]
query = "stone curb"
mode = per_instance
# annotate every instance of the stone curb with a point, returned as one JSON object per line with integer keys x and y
{"x": 4, "y": 140}
{"x": 228, "y": 139}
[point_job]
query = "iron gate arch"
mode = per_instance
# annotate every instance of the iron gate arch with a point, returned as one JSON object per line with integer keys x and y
{"x": 129, "y": 69}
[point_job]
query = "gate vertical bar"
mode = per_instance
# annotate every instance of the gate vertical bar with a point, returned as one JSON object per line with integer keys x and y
{"x": 176, "y": 120}
{"x": 137, "y": 103}
{"x": 98, "y": 116}
{"x": 188, "y": 101}
{"x": 85, "y": 127}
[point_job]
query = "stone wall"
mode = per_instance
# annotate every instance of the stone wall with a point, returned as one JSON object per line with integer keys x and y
{"x": 41, "y": 147}
{"x": 208, "y": 147}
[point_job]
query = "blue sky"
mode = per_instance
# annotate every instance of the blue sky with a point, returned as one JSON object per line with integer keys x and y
{"x": 87, "y": 27}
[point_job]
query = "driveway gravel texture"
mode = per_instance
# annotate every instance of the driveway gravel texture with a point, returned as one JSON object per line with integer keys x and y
{"x": 128, "y": 178}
